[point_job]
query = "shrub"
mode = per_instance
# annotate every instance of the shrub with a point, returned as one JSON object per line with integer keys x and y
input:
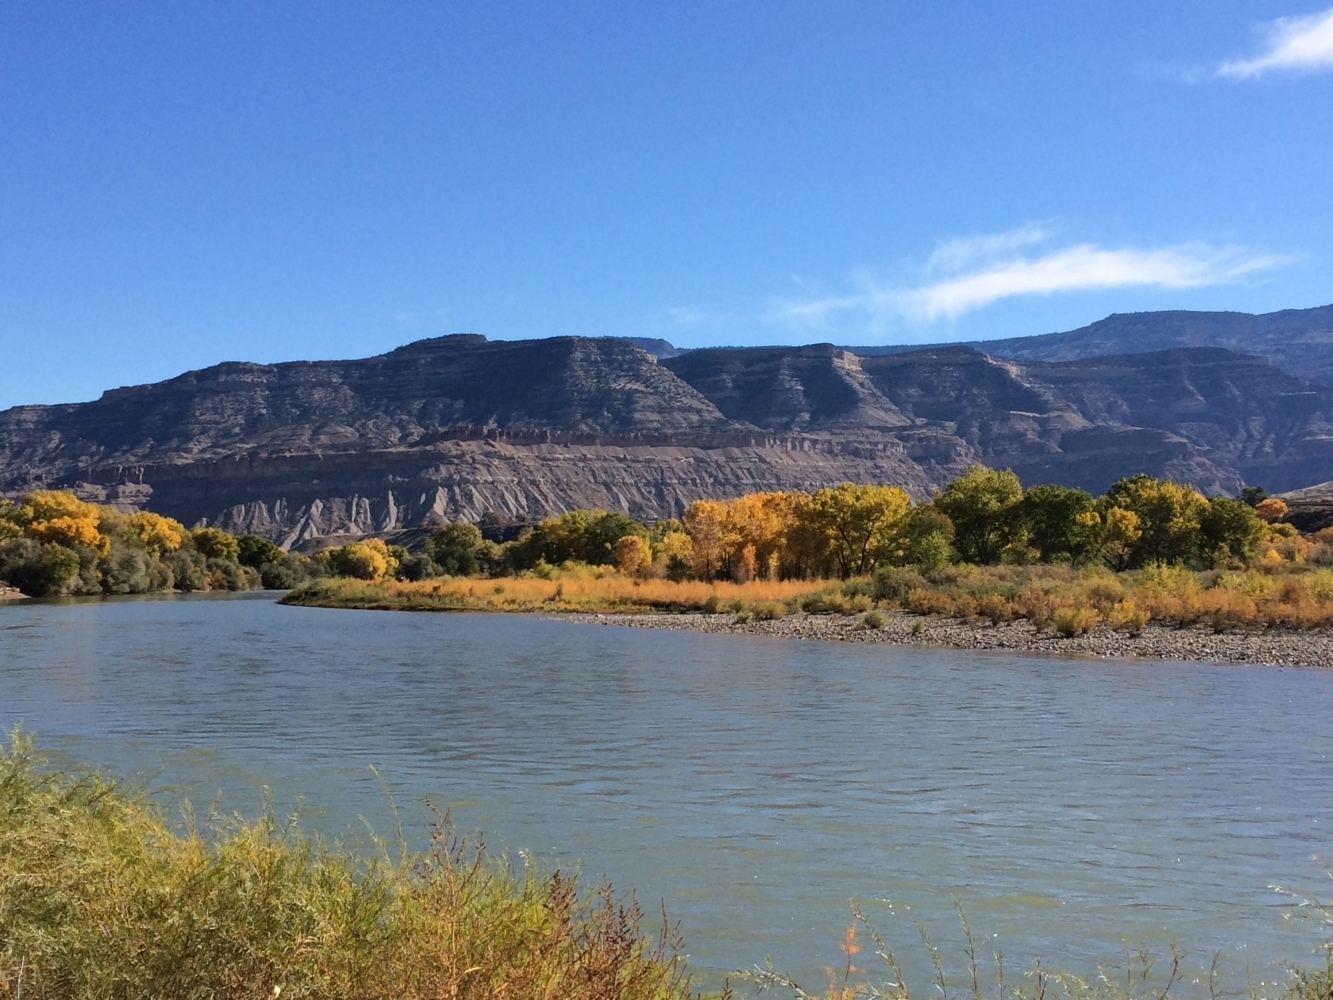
{"x": 930, "y": 602}
{"x": 873, "y": 620}
{"x": 39, "y": 569}
{"x": 1071, "y": 621}
{"x": 188, "y": 570}
{"x": 1126, "y": 616}
{"x": 995, "y": 608}
{"x": 893, "y": 583}
{"x": 416, "y": 568}
{"x": 835, "y": 602}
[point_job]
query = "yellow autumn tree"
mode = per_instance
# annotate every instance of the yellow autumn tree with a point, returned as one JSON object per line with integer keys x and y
{"x": 757, "y": 524}
{"x": 806, "y": 551}
{"x": 61, "y": 518}
{"x": 677, "y": 554}
{"x": 156, "y": 533}
{"x": 366, "y": 560}
{"x": 861, "y": 521}
{"x": 1170, "y": 515}
{"x": 633, "y": 555}
{"x": 1111, "y": 534}
{"x": 11, "y": 525}
{"x": 708, "y": 541}
{"x": 1271, "y": 510}
{"x": 214, "y": 543}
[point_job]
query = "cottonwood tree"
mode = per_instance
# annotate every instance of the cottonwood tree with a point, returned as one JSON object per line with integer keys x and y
{"x": 985, "y": 506}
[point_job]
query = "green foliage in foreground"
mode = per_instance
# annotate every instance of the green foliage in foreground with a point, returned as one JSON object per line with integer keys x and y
{"x": 100, "y": 897}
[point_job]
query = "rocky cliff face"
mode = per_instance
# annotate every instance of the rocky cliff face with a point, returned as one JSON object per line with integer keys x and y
{"x": 449, "y": 427}
{"x": 1300, "y": 341}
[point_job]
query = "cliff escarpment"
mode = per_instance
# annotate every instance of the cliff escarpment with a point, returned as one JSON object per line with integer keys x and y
{"x": 450, "y": 427}
{"x": 1299, "y": 341}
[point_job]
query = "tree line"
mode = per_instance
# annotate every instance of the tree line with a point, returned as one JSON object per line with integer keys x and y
{"x": 982, "y": 517}
{"x": 53, "y": 544}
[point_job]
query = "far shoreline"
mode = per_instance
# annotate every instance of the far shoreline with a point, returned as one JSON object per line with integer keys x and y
{"x": 1266, "y": 645}
{"x": 1280, "y": 646}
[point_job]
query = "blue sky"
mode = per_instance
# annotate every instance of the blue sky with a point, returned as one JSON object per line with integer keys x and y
{"x": 182, "y": 184}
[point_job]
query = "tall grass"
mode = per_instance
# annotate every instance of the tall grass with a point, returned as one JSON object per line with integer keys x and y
{"x": 591, "y": 592}
{"x": 1071, "y": 601}
{"x": 1140, "y": 976}
{"x": 101, "y": 897}
{"x": 1062, "y": 599}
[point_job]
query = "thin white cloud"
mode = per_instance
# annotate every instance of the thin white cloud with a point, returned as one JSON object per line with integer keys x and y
{"x": 1292, "y": 44}
{"x": 966, "y": 275}
{"x": 1085, "y": 267}
{"x": 685, "y": 316}
{"x": 951, "y": 255}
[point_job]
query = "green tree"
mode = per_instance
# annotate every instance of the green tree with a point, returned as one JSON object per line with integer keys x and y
{"x": 39, "y": 569}
{"x": 189, "y": 569}
{"x": 1050, "y": 515}
{"x": 11, "y": 525}
{"x": 453, "y": 549}
{"x": 214, "y": 543}
{"x": 1229, "y": 529}
{"x": 927, "y": 538}
{"x": 254, "y": 551}
{"x": 287, "y": 571}
{"x": 604, "y": 531}
{"x": 586, "y": 535}
{"x": 985, "y": 506}
{"x": 1253, "y": 496}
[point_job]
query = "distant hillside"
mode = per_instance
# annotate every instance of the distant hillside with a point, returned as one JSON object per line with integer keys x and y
{"x": 1297, "y": 340}
{"x": 449, "y": 427}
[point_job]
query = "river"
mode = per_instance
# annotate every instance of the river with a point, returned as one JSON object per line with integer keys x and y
{"x": 754, "y": 784}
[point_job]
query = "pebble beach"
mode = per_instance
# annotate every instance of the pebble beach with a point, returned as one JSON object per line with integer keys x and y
{"x": 1277, "y": 645}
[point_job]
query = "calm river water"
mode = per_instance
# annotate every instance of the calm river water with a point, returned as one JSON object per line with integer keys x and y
{"x": 757, "y": 785}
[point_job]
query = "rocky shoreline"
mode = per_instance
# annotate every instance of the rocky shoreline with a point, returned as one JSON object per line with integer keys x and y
{"x": 1277, "y": 645}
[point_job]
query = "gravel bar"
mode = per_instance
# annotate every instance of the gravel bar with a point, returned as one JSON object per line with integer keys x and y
{"x": 1277, "y": 645}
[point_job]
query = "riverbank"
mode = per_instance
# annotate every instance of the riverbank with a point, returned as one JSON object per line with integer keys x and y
{"x": 1165, "y": 615}
{"x": 1277, "y": 645}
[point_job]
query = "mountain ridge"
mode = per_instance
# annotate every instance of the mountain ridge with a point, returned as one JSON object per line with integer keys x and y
{"x": 1297, "y": 340}
{"x": 451, "y": 426}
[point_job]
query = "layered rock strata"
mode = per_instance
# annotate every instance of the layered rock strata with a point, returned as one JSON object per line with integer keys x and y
{"x": 451, "y": 427}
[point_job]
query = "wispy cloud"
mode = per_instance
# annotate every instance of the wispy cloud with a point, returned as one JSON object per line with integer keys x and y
{"x": 1084, "y": 267}
{"x": 951, "y": 255}
{"x": 963, "y": 275}
{"x": 686, "y": 316}
{"x": 1292, "y": 44}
